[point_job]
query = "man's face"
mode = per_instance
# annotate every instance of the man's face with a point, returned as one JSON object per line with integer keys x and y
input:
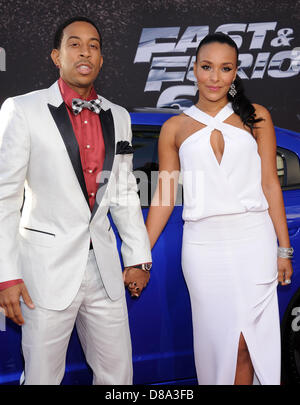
{"x": 79, "y": 57}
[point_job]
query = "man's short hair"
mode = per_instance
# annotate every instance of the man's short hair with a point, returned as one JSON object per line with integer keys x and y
{"x": 59, "y": 32}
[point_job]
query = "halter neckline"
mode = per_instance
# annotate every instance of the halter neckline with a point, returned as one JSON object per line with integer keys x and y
{"x": 226, "y": 105}
{"x": 196, "y": 113}
{"x": 216, "y": 122}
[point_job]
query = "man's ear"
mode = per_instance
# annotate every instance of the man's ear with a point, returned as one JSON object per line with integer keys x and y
{"x": 101, "y": 62}
{"x": 55, "y": 57}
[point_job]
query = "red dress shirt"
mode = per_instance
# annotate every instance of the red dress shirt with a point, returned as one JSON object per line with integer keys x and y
{"x": 88, "y": 132}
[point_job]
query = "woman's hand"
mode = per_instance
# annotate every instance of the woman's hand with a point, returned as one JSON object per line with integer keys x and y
{"x": 285, "y": 270}
{"x": 135, "y": 280}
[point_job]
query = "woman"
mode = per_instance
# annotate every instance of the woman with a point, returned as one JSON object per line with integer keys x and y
{"x": 233, "y": 210}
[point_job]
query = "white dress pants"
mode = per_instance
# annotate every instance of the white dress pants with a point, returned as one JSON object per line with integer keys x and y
{"x": 103, "y": 330}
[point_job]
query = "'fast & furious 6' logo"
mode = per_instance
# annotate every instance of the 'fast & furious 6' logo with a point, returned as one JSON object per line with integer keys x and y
{"x": 171, "y": 56}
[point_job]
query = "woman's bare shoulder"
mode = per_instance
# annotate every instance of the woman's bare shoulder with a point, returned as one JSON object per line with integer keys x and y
{"x": 265, "y": 128}
{"x": 174, "y": 124}
{"x": 261, "y": 111}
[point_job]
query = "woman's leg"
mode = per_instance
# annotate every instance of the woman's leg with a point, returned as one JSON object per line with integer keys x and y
{"x": 244, "y": 367}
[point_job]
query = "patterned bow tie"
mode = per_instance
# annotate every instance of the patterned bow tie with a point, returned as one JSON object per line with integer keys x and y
{"x": 92, "y": 105}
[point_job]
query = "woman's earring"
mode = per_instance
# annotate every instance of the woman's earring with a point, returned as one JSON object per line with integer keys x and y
{"x": 232, "y": 90}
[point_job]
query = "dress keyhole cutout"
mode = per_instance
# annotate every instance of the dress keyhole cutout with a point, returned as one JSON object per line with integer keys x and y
{"x": 217, "y": 144}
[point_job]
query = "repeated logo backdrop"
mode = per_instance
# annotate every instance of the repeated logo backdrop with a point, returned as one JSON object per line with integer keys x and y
{"x": 262, "y": 56}
{"x": 149, "y": 48}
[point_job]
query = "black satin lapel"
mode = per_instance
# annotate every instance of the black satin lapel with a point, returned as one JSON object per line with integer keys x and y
{"x": 62, "y": 120}
{"x": 108, "y": 131}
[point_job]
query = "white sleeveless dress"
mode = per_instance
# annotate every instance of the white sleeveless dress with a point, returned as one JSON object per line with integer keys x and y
{"x": 229, "y": 253}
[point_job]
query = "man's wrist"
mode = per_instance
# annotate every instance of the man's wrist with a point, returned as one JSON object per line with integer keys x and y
{"x": 143, "y": 266}
{"x": 6, "y": 284}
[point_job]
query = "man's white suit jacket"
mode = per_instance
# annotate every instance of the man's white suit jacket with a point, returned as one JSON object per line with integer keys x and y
{"x": 48, "y": 245}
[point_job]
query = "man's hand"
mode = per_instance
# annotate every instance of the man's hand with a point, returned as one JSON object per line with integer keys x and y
{"x": 135, "y": 280}
{"x": 10, "y": 302}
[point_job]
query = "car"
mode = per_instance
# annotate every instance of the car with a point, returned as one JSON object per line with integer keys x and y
{"x": 160, "y": 320}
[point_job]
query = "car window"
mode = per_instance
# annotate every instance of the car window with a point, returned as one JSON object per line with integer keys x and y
{"x": 288, "y": 169}
{"x": 280, "y": 168}
{"x": 145, "y": 160}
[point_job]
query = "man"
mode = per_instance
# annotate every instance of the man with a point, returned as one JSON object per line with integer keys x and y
{"x": 71, "y": 149}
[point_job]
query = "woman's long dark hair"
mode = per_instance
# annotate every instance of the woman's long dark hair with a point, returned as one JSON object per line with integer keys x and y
{"x": 240, "y": 103}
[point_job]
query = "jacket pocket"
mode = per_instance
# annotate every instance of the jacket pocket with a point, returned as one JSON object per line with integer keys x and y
{"x": 37, "y": 237}
{"x": 36, "y": 230}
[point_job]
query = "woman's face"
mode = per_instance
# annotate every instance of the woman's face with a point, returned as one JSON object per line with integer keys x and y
{"x": 215, "y": 70}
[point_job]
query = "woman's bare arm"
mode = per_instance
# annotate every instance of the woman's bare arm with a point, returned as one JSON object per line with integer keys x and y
{"x": 165, "y": 194}
{"x": 266, "y": 141}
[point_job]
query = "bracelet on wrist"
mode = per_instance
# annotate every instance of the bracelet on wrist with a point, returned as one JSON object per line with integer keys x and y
{"x": 144, "y": 266}
{"x": 285, "y": 253}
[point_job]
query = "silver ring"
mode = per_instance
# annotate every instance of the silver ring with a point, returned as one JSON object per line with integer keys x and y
{"x": 287, "y": 281}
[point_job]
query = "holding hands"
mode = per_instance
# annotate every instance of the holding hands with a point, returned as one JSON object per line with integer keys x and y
{"x": 136, "y": 279}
